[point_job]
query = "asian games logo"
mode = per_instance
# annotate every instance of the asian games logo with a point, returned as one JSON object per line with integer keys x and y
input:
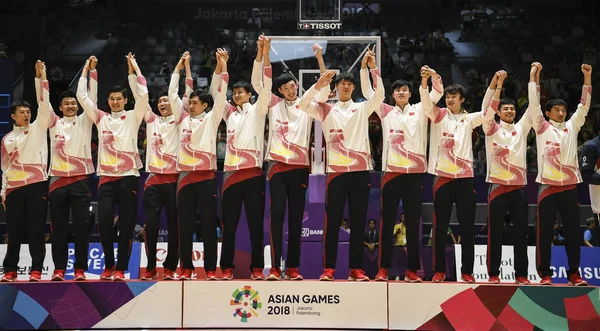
{"x": 246, "y": 302}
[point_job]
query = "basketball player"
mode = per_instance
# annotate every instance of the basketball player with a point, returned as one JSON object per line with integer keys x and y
{"x": 161, "y": 164}
{"x": 118, "y": 164}
{"x": 243, "y": 180}
{"x": 25, "y": 188}
{"x": 451, "y": 163}
{"x": 70, "y": 165}
{"x": 288, "y": 156}
{"x": 558, "y": 176}
{"x": 506, "y": 146}
{"x": 404, "y": 164}
{"x": 197, "y": 162}
{"x": 346, "y": 127}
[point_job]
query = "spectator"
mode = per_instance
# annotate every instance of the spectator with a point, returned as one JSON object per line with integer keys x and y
{"x": 344, "y": 225}
{"x": 400, "y": 232}
{"x": 588, "y": 235}
{"x": 372, "y": 235}
{"x": 558, "y": 239}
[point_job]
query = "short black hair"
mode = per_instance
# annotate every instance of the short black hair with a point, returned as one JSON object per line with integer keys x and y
{"x": 401, "y": 83}
{"x": 203, "y": 97}
{"x": 163, "y": 94}
{"x": 372, "y": 220}
{"x": 284, "y": 78}
{"x": 119, "y": 89}
{"x": 345, "y": 76}
{"x": 554, "y": 102}
{"x": 456, "y": 89}
{"x": 17, "y": 104}
{"x": 243, "y": 84}
{"x": 506, "y": 101}
{"x": 66, "y": 94}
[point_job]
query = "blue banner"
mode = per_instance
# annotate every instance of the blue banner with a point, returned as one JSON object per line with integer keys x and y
{"x": 589, "y": 267}
{"x": 96, "y": 261}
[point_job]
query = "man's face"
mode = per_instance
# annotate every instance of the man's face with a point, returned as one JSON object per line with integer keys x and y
{"x": 164, "y": 107}
{"x": 289, "y": 90}
{"x": 557, "y": 113}
{"x": 507, "y": 113}
{"x": 401, "y": 95}
{"x": 197, "y": 107}
{"x": 21, "y": 116}
{"x": 454, "y": 101}
{"x": 240, "y": 96}
{"x": 371, "y": 225}
{"x": 402, "y": 218}
{"x": 68, "y": 106}
{"x": 345, "y": 89}
{"x": 116, "y": 101}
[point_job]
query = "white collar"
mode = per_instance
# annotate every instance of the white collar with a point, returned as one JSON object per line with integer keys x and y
{"x": 556, "y": 124}
{"x": 345, "y": 104}
{"x": 508, "y": 126}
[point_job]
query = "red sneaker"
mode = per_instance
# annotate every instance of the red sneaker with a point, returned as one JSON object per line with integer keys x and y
{"x": 412, "y": 277}
{"x": 546, "y": 280}
{"x": 149, "y": 274}
{"x": 293, "y": 274}
{"x": 79, "y": 275}
{"x": 227, "y": 274}
{"x": 257, "y": 274}
{"x": 274, "y": 274}
{"x": 467, "y": 278}
{"x": 522, "y": 280}
{"x": 211, "y": 275}
{"x": 382, "y": 275}
{"x": 119, "y": 276}
{"x": 168, "y": 274}
{"x": 576, "y": 280}
{"x": 35, "y": 276}
{"x": 187, "y": 274}
{"x": 10, "y": 276}
{"x": 107, "y": 274}
{"x": 357, "y": 275}
{"x": 58, "y": 275}
{"x": 327, "y": 274}
{"x": 494, "y": 280}
{"x": 439, "y": 277}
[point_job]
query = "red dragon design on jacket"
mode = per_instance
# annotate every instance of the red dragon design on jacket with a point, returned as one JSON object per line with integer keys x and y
{"x": 237, "y": 158}
{"x": 191, "y": 159}
{"x": 160, "y": 161}
{"x": 64, "y": 165}
{"x": 401, "y": 160}
{"x": 448, "y": 165}
{"x": 284, "y": 151}
{"x": 342, "y": 159}
{"x": 112, "y": 160}
{"x": 501, "y": 170}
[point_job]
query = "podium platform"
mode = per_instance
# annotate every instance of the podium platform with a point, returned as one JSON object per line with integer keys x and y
{"x": 307, "y": 304}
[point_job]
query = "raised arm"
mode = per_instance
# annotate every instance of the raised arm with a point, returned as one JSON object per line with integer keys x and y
{"x": 45, "y": 113}
{"x": 221, "y": 96}
{"x": 88, "y": 105}
{"x": 376, "y": 100}
{"x": 487, "y": 113}
{"x": 489, "y": 93}
{"x": 257, "y": 65}
{"x": 318, "y": 50}
{"x": 429, "y": 100}
{"x": 316, "y": 110}
{"x": 489, "y": 124}
{"x": 578, "y": 118}
{"x": 132, "y": 74}
{"x": 141, "y": 106}
{"x": 265, "y": 91}
{"x": 589, "y": 160}
{"x": 533, "y": 90}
